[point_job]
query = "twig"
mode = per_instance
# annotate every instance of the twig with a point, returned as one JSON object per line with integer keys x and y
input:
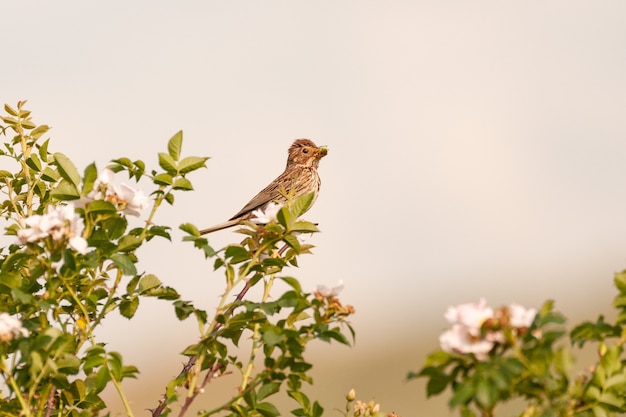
{"x": 214, "y": 368}
{"x": 50, "y": 401}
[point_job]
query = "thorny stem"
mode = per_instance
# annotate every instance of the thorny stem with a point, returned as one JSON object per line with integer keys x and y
{"x": 50, "y": 401}
{"x": 213, "y": 327}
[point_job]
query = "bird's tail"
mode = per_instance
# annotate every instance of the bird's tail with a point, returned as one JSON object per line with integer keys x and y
{"x": 220, "y": 226}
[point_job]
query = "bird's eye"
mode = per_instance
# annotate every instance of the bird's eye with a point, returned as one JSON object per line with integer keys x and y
{"x": 305, "y": 150}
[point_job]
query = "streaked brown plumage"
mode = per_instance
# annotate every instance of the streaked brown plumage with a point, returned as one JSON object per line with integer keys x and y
{"x": 300, "y": 175}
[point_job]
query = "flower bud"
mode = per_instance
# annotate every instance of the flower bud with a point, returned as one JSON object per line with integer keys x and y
{"x": 351, "y": 396}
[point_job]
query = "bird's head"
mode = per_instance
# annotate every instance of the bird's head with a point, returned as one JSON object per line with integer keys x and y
{"x": 305, "y": 152}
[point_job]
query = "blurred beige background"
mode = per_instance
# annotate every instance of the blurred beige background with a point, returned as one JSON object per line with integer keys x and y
{"x": 476, "y": 149}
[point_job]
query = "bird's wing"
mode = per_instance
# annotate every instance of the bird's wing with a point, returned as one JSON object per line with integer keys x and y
{"x": 266, "y": 195}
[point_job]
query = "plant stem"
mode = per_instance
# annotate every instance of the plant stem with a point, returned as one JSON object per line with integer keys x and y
{"x": 256, "y": 338}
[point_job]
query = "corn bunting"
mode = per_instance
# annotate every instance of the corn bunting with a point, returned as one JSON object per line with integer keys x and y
{"x": 300, "y": 177}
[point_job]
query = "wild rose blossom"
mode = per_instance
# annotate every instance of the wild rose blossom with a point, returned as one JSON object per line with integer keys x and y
{"x": 521, "y": 316}
{"x": 470, "y": 315}
{"x": 10, "y": 328}
{"x": 477, "y": 328}
{"x": 128, "y": 200}
{"x": 60, "y": 222}
{"x": 325, "y": 291}
{"x": 459, "y": 339}
{"x": 266, "y": 216}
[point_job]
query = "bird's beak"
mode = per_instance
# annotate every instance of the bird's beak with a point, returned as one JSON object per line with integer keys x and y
{"x": 323, "y": 151}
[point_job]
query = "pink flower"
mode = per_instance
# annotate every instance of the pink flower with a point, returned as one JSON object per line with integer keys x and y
{"x": 521, "y": 316}
{"x": 470, "y": 315}
{"x": 458, "y": 339}
{"x": 60, "y": 222}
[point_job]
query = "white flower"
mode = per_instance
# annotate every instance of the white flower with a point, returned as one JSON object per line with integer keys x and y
{"x": 105, "y": 178}
{"x": 266, "y": 216}
{"x": 325, "y": 291}
{"x": 470, "y": 315}
{"x": 78, "y": 244}
{"x": 129, "y": 200}
{"x": 10, "y": 327}
{"x": 521, "y": 316}
{"x": 35, "y": 230}
{"x": 459, "y": 340}
{"x": 60, "y": 222}
{"x": 132, "y": 201}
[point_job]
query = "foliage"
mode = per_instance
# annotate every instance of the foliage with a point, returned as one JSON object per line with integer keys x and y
{"x": 535, "y": 365}
{"x": 74, "y": 262}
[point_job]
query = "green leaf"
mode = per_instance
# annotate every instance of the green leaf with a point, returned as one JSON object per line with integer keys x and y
{"x": 115, "y": 226}
{"x": 97, "y": 382}
{"x": 94, "y": 358}
{"x": 67, "y": 169}
{"x": 463, "y": 393}
{"x": 27, "y": 124}
{"x": 148, "y": 282}
{"x": 65, "y": 191}
{"x": 175, "y": 145}
{"x": 21, "y": 296}
{"x": 236, "y": 253}
{"x": 620, "y": 281}
{"x": 68, "y": 364}
{"x": 336, "y": 335}
{"x": 128, "y": 243}
{"x": 162, "y": 179}
{"x": 301, "y": 204}
{"x": 304, "y": 227}
{"x": 318, "y": 410}
{"x": 292, "y": 241}
{"x": 89, "y": 178}
{"x": 189, "y": 228}
{"x": 182, "y": 184}
{"x": 115, "y": 365}
{"x": 124, "y": 263}
{"x": 191, "y": 163}
{"x": 284, "y": 217}
{"x": 436, "y": 384}
{"x": 183, "y": 309}
{"x": 39, "y": 131}
{"x": 273, "y": 336}
{"x": 43, "y": 150}
{"x": 267, "y": 389}
{"x": 167, "y": 163}
{"x": 10, "y": 110}
{"x": 293, "y": 283}
{"x": 34, "y": 163}
{"x": 267, "y": 409}
{"x": 128, "y": 308}
{"x": 486, "y": 393}
{"x": 132, "y": 284}
{"x": 100, "y": 206}
{"x": 50, "y": 175}
{"x": 300, "y": 398}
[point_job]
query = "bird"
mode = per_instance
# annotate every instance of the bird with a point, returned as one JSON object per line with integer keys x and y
{"x": 300, "y": 177}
